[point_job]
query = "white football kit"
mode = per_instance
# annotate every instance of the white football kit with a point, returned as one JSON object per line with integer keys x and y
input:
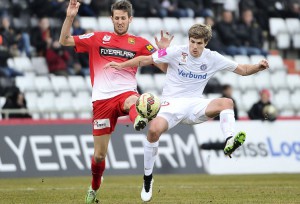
{"x": 186, "y": 78}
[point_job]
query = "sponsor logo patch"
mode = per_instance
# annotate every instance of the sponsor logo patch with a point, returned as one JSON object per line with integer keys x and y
{"x": 88, "y": 35}
{"x": 131, "y": 41}
{"x": 203, "y": 67}
{"x": 101, "y": 124}
{"x": 116, "y": 52}
{"x": 150, "y": 48}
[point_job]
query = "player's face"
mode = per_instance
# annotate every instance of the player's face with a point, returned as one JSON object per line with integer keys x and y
{"x": 196, "y": 46}
{"x": 121, "y": 21}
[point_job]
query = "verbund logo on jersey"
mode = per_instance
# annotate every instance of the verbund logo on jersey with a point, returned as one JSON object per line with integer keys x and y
{"x": 191, "y": 75}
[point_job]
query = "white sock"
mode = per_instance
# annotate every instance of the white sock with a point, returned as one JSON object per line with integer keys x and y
{"x": 227, "y": 122}
{"x": 150, "y": 154}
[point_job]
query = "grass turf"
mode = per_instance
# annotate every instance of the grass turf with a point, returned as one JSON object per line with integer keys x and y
{"x": 185, "y": 189}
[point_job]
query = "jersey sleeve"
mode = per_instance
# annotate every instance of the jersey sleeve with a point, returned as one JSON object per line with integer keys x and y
{"x": 148, "y": 48}
{"x": 223, "y": 63}
{"x": 164, "y": 55}
{"x": 84, "y": 42}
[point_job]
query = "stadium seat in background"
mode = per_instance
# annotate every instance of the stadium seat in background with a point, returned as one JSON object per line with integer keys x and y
{"x": 46, "y": 105}
{"x": 138, "y": 25}
{"x": 262, "y": 80}
{"x": 31, "y": 100}
{"x": 88, "y": 82}
{"x": 296, "y": 40}
{"x": 146, "y": 82}
{"x": 159, "y": 80}
{"x": 150, "y": 37}
{"x": 155, "y": 25}
{"x": 186, "y": 24}
{"x": 278, "y": 80}
{"x": 277, "y": 25}
{"x": 2, "y": 102}
{"x": 59, "y": 83}
{"x": 171, "y": 25}
{"x": 242, "y": 59}
{"x": 34, "y": 22}
{"x": 21, "y": 23}
{"x": 82, "y": 104}
{"x": 25, "y": 83}
{"x": 63, "y": 106}
{"x": 295, "y": 98}
{"x": 228, "y": 57}
{"x": 77, "y": 83}
{"x": 237, "y": 95}
{"x": 105, "y": 24}
{"x": 276, "y": 63}
{"x": 283, "y": 40}
{"x": 178, "y": 39}
{"x": 248, "y": 99}
{"x": 39, "y": 65}
{"x": 255, "y": 59}
{"x": 89, "y": 23}
{"x": 23, "y": 64}
{"x": 293, "y": 25}
{"x": 293, "y": 82}
{"x": 282, "y": 100}
{"x": 10, "y": 62}
{"x": 229, "y": 78}
{"x": 43, "y": 84}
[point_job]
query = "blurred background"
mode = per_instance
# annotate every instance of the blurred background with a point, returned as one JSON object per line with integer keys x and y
{"x": 39, "y": 76}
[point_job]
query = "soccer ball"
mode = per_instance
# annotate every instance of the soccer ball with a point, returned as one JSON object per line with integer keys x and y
{"x": 147, "y": 105}
{"x": 270, "y": 112}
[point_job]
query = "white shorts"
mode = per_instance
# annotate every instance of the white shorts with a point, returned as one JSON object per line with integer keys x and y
{"x": 184, "y": 110}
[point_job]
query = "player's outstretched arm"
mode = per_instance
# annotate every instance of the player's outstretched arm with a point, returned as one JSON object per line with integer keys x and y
{"x": 165, "y": 40}
{"x": 248, "y": 69}
{"x": 135, "y": 62}
{"x": 65, "y": 36}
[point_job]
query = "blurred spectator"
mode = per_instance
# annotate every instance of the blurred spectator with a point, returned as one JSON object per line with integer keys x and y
{"x": 263, "y": 109}
{"x": 170, "y": 8}
{"x": 57, "y": 59}
{"x": 293, "y": 9}
{"x": 250, "y": 34}
{"x": 146, "y": 8}
{"x": 16, "y": 41}
{"x": 213, "y": 86}
{"x": 227, "y": 93}
{"x": 85, "y": 8}
{"x": 215, "y": 42}
{"x": 191, "y": 7}
{"x": 229, "y": 35}
{"x": 76, "y": 27}
{"x": 5, "y": 70}
{"x": 42, "y": 36}
{"x": 101, "y": 7}
{"x": 15, "y": 100}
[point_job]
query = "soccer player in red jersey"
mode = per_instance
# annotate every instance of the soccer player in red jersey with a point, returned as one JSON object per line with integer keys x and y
{"x": 114, "y": 92}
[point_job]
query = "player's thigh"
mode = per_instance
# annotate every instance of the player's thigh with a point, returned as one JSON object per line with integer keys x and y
{"x": 127, "y": 99}
{"x": 217, "y": 105}
{"x": 100, "y": 146}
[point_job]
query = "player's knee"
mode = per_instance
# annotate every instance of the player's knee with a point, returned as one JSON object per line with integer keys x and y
{"x": 153, "y": 133}
{"x": 226, "y": 103}
{"x": 99, "y": 157}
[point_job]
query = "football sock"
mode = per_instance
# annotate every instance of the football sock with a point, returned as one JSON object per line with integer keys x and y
{"x": 132, "y": 113}
{"x": 227, "y": 122}
{"x": 150, "y": 155}
{"x": 97, "y": 171}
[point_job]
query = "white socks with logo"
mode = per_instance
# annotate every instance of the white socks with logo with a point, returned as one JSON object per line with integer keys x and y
{"x": 150, "y": 154}
{"x": 227, "y": 122}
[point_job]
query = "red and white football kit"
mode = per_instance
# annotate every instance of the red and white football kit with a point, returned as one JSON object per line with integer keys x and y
{"x": 111, "y": 87}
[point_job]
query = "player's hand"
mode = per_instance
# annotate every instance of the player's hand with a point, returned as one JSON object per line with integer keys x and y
{"x": 165, "y": 40}
{"x": 113, "y": 65}
{"x": 73, "y": 8}
{"x": 263, "y": 64}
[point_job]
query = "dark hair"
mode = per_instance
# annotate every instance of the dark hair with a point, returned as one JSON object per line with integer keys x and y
{"x": 198, "y": 31}
{"x": 123, "y": 5}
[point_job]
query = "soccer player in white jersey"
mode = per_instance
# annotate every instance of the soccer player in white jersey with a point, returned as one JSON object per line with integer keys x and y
{"x": 189, "y": 69}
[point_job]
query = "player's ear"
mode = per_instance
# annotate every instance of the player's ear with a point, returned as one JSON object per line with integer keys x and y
{"x": 130, "y": 19}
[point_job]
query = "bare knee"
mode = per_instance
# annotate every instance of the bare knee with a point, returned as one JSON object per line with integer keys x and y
{"x": 227, "y": 103}
{"x": 156, "y": 128}
{"x": 99, "y": 157}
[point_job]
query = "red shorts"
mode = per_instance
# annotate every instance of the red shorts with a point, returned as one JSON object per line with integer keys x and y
{"x": 107, "y": 111}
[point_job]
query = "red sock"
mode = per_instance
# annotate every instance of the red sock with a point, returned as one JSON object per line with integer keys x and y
{"x": 97, "y": 171}
{"x": 132, "y": 113}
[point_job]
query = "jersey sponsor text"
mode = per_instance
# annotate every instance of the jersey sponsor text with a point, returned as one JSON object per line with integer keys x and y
{"x": 191, "y": 75}
{"x": 117, "y": 53}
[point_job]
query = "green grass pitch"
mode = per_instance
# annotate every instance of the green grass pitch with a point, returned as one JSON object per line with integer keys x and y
{"x": 185, "y": 189}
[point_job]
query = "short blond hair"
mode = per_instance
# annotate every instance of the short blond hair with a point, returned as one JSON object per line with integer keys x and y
{"x": 199, "y": 30}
